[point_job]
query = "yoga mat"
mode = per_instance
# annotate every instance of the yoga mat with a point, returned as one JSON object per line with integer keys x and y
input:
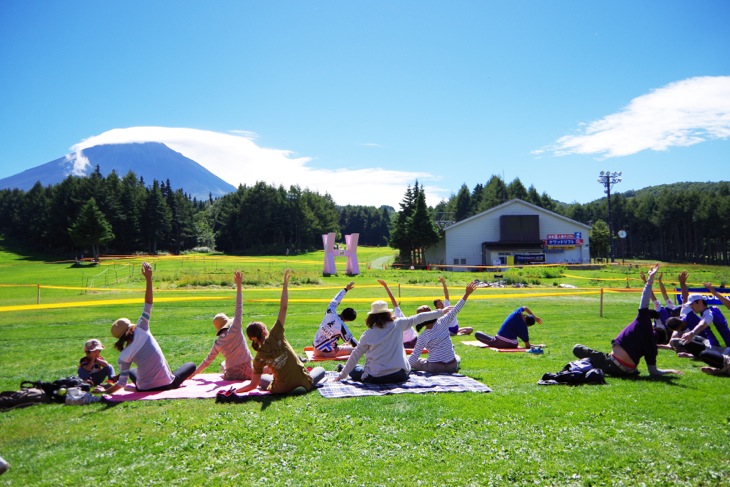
{"x": 477, "y": 343}
{"x": 417, "y": 383}
{"x": 202, "y": 386}
{"x": 309, "y": 351}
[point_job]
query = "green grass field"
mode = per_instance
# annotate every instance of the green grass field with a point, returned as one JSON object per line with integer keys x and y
{"x": 673, "y": 431}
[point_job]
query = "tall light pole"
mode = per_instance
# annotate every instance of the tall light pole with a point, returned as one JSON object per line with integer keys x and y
{"x": 607, "y": 180}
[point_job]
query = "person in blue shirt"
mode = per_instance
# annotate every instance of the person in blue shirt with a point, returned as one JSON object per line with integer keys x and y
{"x": 515, "y": 326}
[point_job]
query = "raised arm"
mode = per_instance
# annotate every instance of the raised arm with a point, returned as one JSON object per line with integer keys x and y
{"x": 643, "y": 279}
{"x": 390, "y": 294}
{"x": 538, "y": 320}
{"x": 719, "y": 296}
{"x": 663, "y": 289}
{"x": 446, "y": 288}
{"x": 648, "y": 293}
{"x": 147, "y": 273}
{"x": 284, "y": 302}
{"x": 683, "y": 285}
{"x": 238, "y": 278}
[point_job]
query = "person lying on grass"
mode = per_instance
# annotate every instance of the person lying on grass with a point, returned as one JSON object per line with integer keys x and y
{"x": 636, "y": 340}
{"x": 137, "y": 345}
{"x": 718, "y": 361}
{"x": 230, "y": 342}
{"x": 441, "y": 304}
{"x": 382, "y": 345}
{"x": 515, "y": 326}
{"x": 436, "y": 338}
{"x": 273, "y": 350}
{"x": 333, "y": 328}
{"x": 409, "y": 334}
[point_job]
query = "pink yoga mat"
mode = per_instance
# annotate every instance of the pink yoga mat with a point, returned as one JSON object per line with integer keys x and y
{"x": 202, "y": 386}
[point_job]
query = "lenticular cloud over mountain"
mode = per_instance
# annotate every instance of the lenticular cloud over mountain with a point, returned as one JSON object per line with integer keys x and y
{"x": 237, "y": 159}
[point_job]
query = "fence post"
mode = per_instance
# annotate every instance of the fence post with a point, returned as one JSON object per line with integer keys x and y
{"x": 600, "y": 314}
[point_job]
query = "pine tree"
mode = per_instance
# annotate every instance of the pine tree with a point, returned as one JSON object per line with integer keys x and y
{"x": 91, "y": 228}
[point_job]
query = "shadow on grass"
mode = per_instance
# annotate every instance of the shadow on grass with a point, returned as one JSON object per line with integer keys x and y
{"x": 667, "y": 378}
{"x": 25, "y": 252}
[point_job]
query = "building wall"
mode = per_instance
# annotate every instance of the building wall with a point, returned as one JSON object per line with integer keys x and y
{"x": 462, "y": 244}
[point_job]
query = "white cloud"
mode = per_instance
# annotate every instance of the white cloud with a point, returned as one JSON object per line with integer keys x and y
{"x": 237, "y": 159}
{"x": 680, "y": 114}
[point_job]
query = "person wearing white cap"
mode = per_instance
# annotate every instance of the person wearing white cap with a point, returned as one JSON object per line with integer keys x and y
{"x": 230, "y": 342}
{"x": 92, "y": 366}
{"x": 137, "y": 345}
{"x": 698, "y": 318}
{"x": 382, "y": 345}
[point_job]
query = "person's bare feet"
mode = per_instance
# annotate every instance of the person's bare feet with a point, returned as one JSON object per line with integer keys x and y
{"x": 711, "y": 370}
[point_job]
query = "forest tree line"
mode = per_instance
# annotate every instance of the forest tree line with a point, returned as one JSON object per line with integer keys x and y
{"x": 113, "y": 215}
{"x": 682, "y": 222}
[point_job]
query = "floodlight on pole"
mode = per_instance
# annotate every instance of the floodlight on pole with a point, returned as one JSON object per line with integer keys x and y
{"x": 607, "y": 180}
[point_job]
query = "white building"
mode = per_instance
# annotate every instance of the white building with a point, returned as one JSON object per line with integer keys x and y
{"x": 513, "y": 233}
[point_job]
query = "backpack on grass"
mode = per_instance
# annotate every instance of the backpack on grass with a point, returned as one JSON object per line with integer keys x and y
{"x": 22, "y": 398}
{"x": 56, "y": 390}
{"x": 575, "y": 373}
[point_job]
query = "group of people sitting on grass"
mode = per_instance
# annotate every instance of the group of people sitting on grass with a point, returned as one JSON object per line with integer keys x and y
{"x": 277, "y": 368}
{"x": 686, "y": 329}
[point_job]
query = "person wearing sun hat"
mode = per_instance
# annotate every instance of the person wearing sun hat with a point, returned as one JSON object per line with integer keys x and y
{"x": 92, "y": 366}
{"x": 382, "y": 345}
{"x": 230, "y": 342}
{"x": 136, "y": 344}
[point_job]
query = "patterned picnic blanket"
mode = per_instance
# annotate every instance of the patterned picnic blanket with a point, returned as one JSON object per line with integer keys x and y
{"x": 418, "y": 383}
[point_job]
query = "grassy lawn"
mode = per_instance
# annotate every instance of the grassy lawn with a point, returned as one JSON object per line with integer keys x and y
{"x": 673, "y": 431}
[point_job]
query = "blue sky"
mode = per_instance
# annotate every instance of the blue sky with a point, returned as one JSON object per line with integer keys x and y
{"x": 360, "y": 99}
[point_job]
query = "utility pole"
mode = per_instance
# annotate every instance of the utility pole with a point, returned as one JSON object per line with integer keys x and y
{"x": 607, "y": 180}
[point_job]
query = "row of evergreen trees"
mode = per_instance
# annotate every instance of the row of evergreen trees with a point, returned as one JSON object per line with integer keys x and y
{"x": 124, "y": 215}
{"x": 683, "y": 222}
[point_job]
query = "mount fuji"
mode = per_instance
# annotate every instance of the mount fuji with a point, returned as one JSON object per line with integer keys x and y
{"x": 149, "y": 160}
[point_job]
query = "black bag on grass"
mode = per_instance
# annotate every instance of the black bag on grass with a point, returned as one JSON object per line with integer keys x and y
{"x": 575, "y": 373}
{"x": 56, "y": 390}
{"x": 22, "y": 398}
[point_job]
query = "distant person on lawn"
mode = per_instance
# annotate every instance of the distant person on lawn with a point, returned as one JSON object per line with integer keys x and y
{"x": 441, "y": 304}
{"x": 273, "y": 350}
{"x": 436, "y": 338}
{"x": 514, "y": 326}
{"x": 636, "y": 340}
{"x": 137, "y": 345}
{"x": 230, "y": 342}
{"x": 333, "y": 328}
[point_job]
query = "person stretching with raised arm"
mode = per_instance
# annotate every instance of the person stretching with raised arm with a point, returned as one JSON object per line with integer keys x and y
{"x": 273, "y": 350}
{"x": 635, "y": 341}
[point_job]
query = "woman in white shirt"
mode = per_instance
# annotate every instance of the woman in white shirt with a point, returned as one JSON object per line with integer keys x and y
{"x": 382, "y": 345}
